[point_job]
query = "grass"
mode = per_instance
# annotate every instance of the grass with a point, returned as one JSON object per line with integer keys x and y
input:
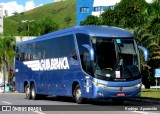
{"x": 151, "y": 93}
{"x": 57, "y": 11}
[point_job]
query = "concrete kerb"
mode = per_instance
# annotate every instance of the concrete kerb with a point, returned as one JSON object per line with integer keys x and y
{"x": 144, "y": 99}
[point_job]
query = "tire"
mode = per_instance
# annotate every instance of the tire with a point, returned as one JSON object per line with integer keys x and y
{"x": 34, "y": 96}
{"x": 28, "y": 92}
{"x": 78, "y": 96}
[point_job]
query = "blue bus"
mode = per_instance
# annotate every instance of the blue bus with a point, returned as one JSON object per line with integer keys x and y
{"x": 83, "y": 62}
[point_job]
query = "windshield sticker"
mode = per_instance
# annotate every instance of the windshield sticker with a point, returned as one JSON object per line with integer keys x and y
{"x": 48, "y": 64}
{"x": 118, "y": 41}
{"x": 118, "y": 75}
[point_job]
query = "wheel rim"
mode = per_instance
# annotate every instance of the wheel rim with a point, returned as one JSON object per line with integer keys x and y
{"x": 27, "y": 91}
{"x": 33, "y": 93}
{"x": 78, "y": 94}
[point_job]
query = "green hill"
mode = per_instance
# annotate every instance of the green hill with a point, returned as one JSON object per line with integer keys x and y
{"x": 57, "y": 11}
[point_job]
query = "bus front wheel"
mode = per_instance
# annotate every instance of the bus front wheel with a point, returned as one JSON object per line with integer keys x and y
{"x": 27, "y": 91}
{"x": 78, "y": 95}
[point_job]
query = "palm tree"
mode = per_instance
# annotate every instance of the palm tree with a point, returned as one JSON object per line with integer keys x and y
{"x": 156, "y": 7}
{"x": 145, "y": 39}
{"x": 148, "y": 41}
{"x": 7, "y": 47}
{"x": 154, "y": 19}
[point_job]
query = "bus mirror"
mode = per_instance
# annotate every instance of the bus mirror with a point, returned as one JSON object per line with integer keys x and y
{"x": 91, "y": 51}
{"x": 145, "y": 51}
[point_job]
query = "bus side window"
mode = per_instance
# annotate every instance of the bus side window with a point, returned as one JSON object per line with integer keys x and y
{"x": 86, "y": 63}
{"x": 22, "y": 56}
{"x": 17, "y": 54}
{"x": 84, "y": 53}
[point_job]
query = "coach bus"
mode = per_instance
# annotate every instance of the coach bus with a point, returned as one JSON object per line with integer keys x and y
{"x": 83, "y": 62}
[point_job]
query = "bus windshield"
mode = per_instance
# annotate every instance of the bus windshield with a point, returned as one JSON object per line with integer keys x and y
{"x": 115, "y": 59}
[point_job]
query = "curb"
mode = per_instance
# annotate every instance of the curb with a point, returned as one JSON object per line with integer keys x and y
{"x": 144, "y": 99}
{"x": 9, "y": 92}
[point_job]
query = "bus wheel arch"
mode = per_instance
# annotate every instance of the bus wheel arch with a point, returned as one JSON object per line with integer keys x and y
{"x": 27, "y": 90}
{"x": 75, "y": 83}
{"x": 25, "y": 83}
{"x": 77, "y": 93}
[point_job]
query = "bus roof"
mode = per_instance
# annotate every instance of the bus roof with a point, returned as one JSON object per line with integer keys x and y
{"x": 101, "y": 31}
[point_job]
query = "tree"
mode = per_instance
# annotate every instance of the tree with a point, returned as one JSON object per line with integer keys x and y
{"x": 7, "y": 47}
{"x": 145, "y": 39}
{"x": 109, "y": 17}
{"x": 126, "y": 14}
{"x": 67, "y": 19}
{"x": 43, "y": 26}
{"x": 154, "y": 14}
{"x": 154, "y": 8}
{"x": 91, "y": 20}
{"x": 23, "y": 29}
{"x": 154, "y": 28}
{"x": 37, "y": 27}
{"x": 148, "y": 41}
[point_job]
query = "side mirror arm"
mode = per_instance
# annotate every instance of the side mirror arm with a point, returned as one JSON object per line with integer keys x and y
{"x": 145, "y": 51}
{"x": 91, "y": 51}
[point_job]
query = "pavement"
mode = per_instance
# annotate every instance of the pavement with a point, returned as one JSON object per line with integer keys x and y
{"x": 140, "y": 99}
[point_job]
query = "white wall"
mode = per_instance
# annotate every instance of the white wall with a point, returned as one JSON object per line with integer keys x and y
{"x": 1, "y": 18}
{"x": 24, "y": 38}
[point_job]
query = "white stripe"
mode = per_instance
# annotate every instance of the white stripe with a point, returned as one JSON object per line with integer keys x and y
{"x": 6, "y": 102}
{"x": 39, "y": 112}
{"x": 142, "y": 112}
{"x": 105, "y": 3}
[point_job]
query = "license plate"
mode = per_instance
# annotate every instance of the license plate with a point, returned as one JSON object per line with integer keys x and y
{"x": 120, "y": 94}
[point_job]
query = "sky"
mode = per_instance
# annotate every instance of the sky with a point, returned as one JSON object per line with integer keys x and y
{"x": 24, "y": 5}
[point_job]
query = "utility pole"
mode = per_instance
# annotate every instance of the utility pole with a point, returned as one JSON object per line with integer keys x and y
{"x": 27, "y": 21}
{"x": 4, "y": 75}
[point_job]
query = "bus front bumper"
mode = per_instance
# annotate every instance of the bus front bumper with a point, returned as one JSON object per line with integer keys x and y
{"x": 100, "y": 91}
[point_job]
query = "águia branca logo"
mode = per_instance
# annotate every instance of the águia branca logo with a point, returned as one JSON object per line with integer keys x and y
{"x": 48, "y": 64}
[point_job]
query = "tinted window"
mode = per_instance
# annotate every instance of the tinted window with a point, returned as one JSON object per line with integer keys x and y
{"x": 50, "y": 48}
{"x": 56, "y": 47}
{"x": 84, "y": 53}
{"x": 17, "y": 56}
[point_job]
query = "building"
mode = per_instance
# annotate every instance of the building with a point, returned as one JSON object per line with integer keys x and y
{"x": 85, "y": 8}
{"x": 24, "y": 38}
{"x": 1, "y": 18}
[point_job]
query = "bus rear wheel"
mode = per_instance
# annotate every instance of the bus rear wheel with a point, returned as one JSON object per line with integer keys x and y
{"x": 78, "y": 95}
{"x": 27, "y": 91}
{"x": 33, "y": 92}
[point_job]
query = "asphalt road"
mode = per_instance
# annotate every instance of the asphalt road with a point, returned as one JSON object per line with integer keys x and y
{"x": 17, "y": 103}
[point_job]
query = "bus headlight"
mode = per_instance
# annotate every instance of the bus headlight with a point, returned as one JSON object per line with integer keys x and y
{"x": 99, "y": 85}
{"x": 138, "y": 85}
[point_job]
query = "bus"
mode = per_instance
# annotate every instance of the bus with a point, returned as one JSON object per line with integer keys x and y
{"x": 83, "y": 62}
